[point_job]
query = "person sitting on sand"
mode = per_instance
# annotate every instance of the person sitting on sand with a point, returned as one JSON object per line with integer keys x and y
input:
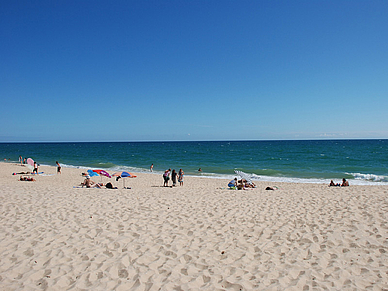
{"x": 344, "y": 183}
{"x": 87, "y": 182}
{"x": 232, "y": 184}
{"x": 91, "y": 184}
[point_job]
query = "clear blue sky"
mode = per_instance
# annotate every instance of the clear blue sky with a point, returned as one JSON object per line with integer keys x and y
{"x": 193, "y": 70}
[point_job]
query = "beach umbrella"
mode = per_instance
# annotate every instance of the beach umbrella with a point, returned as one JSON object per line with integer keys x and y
{"x": 245, "y": 176}
{"x": 92, "y": 174}
{"x": 31, "y": 168}
{"x": 102, "y": 173}
{"x": 30, "y": 162}
{"x": 124, "y": 175}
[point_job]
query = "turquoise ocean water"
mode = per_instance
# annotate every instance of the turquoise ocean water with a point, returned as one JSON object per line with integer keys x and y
{"x": 316, "y": 161}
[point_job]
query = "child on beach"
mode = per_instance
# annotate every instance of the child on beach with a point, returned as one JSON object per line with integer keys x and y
{"x": 180, "y": 177}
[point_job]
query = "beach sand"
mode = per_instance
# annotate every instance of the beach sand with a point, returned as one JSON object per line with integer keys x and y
{"x": 197, "y": 237}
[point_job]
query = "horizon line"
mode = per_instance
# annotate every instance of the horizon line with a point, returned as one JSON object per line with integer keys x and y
{"x": 220, "y": 140}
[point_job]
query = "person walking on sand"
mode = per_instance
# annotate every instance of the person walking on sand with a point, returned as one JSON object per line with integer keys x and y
{"x": 35, "y": 168}
{"x": 180, "y": 177}
{"x": 58, "y": 168}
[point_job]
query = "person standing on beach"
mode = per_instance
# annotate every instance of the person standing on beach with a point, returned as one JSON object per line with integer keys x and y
{"x": 173, "y": 177}
{"x": 35, "y": 168}
{"x": 180, "y": 177}
{"x": 166, "y": 177}
{"x": 58, "y": 168}
{"x": 21, "y": 160}
{"x": 152, "y": 167}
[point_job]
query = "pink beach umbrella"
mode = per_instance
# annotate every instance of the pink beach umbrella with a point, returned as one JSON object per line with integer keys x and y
{"x": 102, "y": 173}
{"x": 30, "y": 162}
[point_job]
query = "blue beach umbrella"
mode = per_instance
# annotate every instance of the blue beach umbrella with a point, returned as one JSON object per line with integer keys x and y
{"x": 124, "y": 175}
{"x": 92, "y": 174}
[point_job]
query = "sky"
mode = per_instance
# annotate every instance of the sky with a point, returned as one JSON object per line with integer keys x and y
{"x": 172, "y": 70}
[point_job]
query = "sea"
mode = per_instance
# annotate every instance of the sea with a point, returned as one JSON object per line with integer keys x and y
{"x": 362, "y": 162}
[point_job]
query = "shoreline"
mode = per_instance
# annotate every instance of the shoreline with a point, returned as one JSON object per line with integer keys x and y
{"x": 198, "y": 236}
{"x": 267, "y": 179}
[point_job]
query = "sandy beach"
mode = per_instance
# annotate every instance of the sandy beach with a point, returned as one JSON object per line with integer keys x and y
{"x": 201, "y": 236}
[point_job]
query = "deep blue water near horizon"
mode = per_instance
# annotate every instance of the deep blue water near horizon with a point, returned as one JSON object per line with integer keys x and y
{"x": 365, "y": 161}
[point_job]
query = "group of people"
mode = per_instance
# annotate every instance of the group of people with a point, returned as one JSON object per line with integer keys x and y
{"x": 88, "y": 183}
{"x": 241, "y": 184}
{"x": 344, "y": 183}
{"x": 36, "y": 165}
{"x": 174, "y": 176}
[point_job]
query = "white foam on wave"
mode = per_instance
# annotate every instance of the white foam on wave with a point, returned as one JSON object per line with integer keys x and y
{"x": 359, "y": 178}
{"x": 272, "y": 179}
{"x": 370, "y": 177}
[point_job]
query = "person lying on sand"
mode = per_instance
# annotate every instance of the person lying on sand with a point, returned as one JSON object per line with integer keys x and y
{"x": 333, "y": 184}
{"x": 245, "y": 185}
{"x": 110, "y": 186}
{"x": 272, "y": 188}
{"x": 27, "y": 179}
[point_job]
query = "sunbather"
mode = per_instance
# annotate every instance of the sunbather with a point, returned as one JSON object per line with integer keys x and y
{"x": 27, "y": 179}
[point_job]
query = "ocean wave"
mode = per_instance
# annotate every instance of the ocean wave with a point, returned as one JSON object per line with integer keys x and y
{"x": 267, "y": 176}
{"x": 370, "y": 177}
